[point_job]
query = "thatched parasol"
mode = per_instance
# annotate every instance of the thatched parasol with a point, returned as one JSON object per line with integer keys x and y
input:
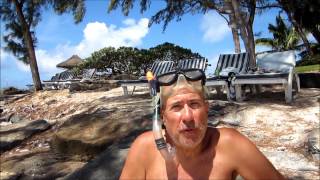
{"x": 72, "y": 62}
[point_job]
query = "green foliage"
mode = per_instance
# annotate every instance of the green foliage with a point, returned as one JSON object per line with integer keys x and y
{"x": 134, "y": 61}
{"x": 284, "y": 37}
{"x": 174, "y": 9}
{"x": 306, "y": 13}
{"x": 168, "y": 51}
{"x": 309, "y": 60}
{"x": 17, "y": 26}
{"x": 14, "y": 39}
{"x": 308, "y": 68}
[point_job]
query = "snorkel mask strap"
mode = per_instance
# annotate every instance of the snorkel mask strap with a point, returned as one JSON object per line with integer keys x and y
{"x": 156, "y": 121}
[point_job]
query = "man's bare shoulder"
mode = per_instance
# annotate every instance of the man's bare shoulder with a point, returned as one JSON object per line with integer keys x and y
{"x": 144, "y": 146}
{"x": 228, "y": 135}
{"x": 139, "y": 157}
{"x": 244, "y": 155}
{"x": 145, "y": 140}
{"x": 229, "y": 138}
{"x": 225, "y": 135}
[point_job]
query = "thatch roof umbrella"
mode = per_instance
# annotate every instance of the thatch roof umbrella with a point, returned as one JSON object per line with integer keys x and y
{"x": 70, "y": 63}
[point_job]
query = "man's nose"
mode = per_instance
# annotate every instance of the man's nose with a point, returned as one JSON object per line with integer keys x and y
{"x": 187, "y": 114}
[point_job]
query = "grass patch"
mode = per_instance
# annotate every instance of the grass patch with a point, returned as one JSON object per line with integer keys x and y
{"x": 309, "y": 68}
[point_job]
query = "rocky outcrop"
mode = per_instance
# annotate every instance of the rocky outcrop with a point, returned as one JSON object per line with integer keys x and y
{"x": 313, "y": 144}
{"x": 93, "y": 130}
{"x": 86, "y": 135}
{"x": 14, "y": 134}
{"x": 107, "y": 165}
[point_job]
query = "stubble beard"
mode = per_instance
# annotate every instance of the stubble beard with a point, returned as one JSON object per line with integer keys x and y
{"x": 184, "y": 141}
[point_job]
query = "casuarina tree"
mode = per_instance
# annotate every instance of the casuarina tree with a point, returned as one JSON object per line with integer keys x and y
{"x": 240, "y": 15}
{"x": 20, "y": 17}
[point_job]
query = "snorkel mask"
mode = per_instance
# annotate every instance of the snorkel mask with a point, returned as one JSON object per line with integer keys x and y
{"x": 167, "y": 85}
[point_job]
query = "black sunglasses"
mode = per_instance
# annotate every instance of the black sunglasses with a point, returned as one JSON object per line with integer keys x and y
{"x": 169, "y": 78}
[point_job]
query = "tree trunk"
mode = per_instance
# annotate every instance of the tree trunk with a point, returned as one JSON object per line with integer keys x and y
{"x": 301, "y": 34}
{"x": 28, "y": 39}
{"x": 235, "y": 34}
{"x": 251, "y": 46}
{"x": 245, "y": 32}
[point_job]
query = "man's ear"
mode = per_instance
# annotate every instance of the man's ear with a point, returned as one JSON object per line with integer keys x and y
{"x": 161, "y": 115}
{"x": 162, "y": 119}
{"x": 206, "y": 103}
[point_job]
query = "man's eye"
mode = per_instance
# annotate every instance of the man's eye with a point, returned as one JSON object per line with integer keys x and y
{"x": 195, "y": 105}
{"x": 176, "y": 107}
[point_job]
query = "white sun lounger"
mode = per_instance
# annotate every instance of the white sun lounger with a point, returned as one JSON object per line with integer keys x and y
{"x": 279, "y": 68}
{"x": 238, "y": 61}
{"x": 158, "y": 67}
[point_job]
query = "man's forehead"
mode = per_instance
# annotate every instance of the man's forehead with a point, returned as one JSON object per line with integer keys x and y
{"x": 169, "y": 91}
{"x": 184, "y": 96}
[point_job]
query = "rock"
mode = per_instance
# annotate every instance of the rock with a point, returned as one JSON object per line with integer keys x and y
{"x": 53, "y": 101}
{"x": 291, "y": 161}
{"x": 12, "y": 90}
{"x": 313, "y": 144}
{"x": 40, "y": 165}
{"x": 3, "y": 119}
{"x": 12, "y": 135}
{"x": 107, "y": 165}
{"x": 13, "y": 118}
{"x": 232, "y": 119}
{"x": 86, "y": 135}
{"x": 213, "y": 122}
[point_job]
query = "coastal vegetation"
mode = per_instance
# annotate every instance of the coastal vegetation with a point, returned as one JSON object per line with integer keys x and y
{"x": 299, "y": 19}
{"x": 134, "y": 61}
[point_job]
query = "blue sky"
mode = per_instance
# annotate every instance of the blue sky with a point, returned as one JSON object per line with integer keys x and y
{"x": 59, "y": 38}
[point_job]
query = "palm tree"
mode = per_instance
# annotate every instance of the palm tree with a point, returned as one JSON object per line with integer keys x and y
{"x": 284, "y": 37}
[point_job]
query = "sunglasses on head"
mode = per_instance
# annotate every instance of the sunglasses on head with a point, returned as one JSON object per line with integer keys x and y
{"x": 170, "y": 78}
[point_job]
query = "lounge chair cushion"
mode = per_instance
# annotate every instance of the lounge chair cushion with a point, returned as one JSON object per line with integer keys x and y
{"x": 238, "y": 61}
{"x": 276, "y": 62}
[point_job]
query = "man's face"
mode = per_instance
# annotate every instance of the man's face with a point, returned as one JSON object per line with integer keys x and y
{"x": 185, "y": 117}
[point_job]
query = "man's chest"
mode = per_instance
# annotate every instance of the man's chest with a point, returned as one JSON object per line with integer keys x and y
{"x": 201, "y": 170}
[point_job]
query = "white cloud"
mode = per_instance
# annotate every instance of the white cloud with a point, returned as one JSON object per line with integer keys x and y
{"x": 47, "y": 61}
{"x": 129, "y": 22}
{"x": 3, "y": 55}
{"x": 96, "y": 35}
{"x": 215, "y": 28}
{"x": 22, "y": 66}
{"x": 8, "y": 60}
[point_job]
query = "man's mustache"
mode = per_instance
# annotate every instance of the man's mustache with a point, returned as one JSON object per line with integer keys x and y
{"x": 190, "y": 126}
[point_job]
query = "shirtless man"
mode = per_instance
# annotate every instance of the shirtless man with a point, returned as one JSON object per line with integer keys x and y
{"x": 200, "y": 152}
